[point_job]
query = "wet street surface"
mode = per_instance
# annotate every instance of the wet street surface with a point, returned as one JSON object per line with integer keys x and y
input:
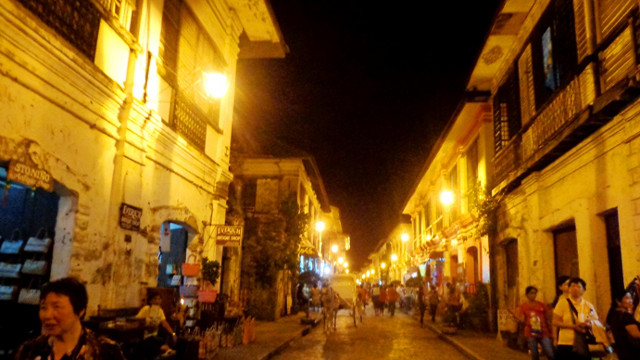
{"x": 377, "y": 337}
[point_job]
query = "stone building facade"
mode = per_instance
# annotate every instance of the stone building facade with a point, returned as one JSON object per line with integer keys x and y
{"x": 563, "y": 75}
{"x": 108, "y": 103}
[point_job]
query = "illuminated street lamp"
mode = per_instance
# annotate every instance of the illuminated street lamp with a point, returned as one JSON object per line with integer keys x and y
{"x": 215, "y": 84}
{"x": 340, "y": 260}
{"x": 446, "y": 197}
{"x": 334, "y": 248}
{"x": 346, "y": 265}
{"x": 394, "y": 257}
{"x": 320, "y": 226}
{"x": 368, "y": 273}
{"x": 383, "y": 265}
{"x": 373, "y": 271}
{"x": 404, "y": 237}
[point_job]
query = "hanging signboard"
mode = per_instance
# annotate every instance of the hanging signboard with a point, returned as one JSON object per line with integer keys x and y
{"x": 30, "y": 175}
{"x": 130, "y": 217}
{"x": 227, "y": 235}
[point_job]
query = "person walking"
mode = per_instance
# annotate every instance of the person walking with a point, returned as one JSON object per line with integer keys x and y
{"x": 625, "y": 329}
{"x": 315, "y": 298}
{"x": 434, "y": 300}
{"x": 383, "y": 299}
{"x": 392, "y": 299}
{"x": 573, "y": 318}
{"x": 63, "y": 305}
{"x": 562, "y": 293}
{"x": 375, "y": 297}
{"x": 422, "y": 303}
{"x": 534, "y": 315}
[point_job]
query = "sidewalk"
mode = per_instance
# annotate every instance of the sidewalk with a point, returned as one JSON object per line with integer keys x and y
{"x": 479, "y": 346}
{"x": 271, "y": 338}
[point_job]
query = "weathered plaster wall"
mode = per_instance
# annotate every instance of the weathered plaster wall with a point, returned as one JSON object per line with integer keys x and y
{"x": 596, "y": 176}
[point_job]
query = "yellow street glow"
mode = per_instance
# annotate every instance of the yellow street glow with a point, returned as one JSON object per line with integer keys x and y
{"x": 320, "y": 226}
{"x": 215, "y": 84}
{"x": 340, "y": 260}
{"x": 404, "y": 237}
{"x": 383, "y": 265}
{"x": 446, "y": 197}
{"x": 334, "y": 248}
{"x": 394, "y": 257}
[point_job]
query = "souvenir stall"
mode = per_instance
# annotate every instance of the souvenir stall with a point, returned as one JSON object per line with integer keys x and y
{"x": 28, "y": 216}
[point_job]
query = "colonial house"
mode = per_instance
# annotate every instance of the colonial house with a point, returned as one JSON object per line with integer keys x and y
{"x": 281, "y": 199}
{"x": 563, "y": 77}
{"x": 449, "y": 239}
{"x": 108, "y": 135}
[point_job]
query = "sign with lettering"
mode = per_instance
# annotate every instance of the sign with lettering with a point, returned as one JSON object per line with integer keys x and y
{"x": 228, "y": 235}
{"x": 30, "y": 175}
{"x": 130, "y": 217}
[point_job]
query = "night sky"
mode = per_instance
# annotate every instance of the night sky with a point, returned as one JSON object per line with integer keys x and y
{"x": 366, "y": 89}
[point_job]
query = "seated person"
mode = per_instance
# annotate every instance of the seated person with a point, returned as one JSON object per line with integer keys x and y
{"x": 154, "y": 345}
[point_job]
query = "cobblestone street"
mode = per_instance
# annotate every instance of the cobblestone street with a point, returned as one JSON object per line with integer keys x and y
{"x": 381, "y": 337}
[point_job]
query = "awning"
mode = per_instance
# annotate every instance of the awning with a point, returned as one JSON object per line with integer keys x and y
{"x": 436, "y": 255}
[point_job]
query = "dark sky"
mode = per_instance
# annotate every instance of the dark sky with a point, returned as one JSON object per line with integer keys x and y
{"x": 366, "y": 89}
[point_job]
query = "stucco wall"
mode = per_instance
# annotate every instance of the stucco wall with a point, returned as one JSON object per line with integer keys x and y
{"x": 598, "y": 175}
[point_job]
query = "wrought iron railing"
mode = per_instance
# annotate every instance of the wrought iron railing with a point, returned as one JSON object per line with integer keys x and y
{"x": 189, "y": 121}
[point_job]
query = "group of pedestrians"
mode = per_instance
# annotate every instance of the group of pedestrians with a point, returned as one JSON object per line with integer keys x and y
{"x": 384, "y": 296}
{"x": 565, "y": 329}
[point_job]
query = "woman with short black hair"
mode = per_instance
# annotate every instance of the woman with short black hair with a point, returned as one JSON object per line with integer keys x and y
{"x": 63, "y": 305}
{"x": 625, "y": 329}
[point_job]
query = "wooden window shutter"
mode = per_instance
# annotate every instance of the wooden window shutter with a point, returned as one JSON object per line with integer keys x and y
{"x": 169, "y": 35}
{"x": 609, "y": 13}
{"x": 583, "y": 44}
{"x": 527, "y": 91}
{"x": 617, "y": 60}
{"x": 564, "y": 41}
{"x": 512, "y": 91}
{"x": 499, "y": 121}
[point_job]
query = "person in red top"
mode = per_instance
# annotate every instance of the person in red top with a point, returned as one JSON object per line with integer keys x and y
{"x": 534, "y": 315}
{"x": 392, "y": 298}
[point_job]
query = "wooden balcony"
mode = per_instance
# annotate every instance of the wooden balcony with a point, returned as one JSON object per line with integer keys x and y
{"x": 592, "y": 99}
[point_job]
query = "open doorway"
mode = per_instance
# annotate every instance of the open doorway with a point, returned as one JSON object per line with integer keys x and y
{"x": 172, "y": 252}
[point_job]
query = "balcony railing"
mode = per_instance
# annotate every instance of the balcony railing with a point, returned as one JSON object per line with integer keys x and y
{"x": 575, "y": 112}
{"x": 507, "y": 160}
{"x": 559, "y": 113}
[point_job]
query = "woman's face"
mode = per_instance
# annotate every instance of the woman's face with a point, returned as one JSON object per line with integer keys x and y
{"x": 576, "y": 290}
{"x": 627, "y": 302}
{"x": 56, "y": 315}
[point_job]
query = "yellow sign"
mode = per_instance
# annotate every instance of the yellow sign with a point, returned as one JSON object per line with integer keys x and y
{"x": 227, "y": 235}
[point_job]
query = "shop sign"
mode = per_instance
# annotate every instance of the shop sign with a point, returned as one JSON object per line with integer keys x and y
{"x": 227, "y": 235}
{"x": 30, "y": 175}
{"x": 130, "y": 217}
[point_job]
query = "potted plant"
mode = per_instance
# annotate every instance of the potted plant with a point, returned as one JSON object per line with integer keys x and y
{"x": 478, "y": 309}
{"x": 210, "y": 275}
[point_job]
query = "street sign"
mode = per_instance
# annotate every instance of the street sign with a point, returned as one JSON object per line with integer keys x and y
{"x": 130, "y": 217}
{"x": 230, "y": 236}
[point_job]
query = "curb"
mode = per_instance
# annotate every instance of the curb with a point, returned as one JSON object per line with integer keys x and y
{"x": 286, "y": 343}
{"x": 462, "y": 348}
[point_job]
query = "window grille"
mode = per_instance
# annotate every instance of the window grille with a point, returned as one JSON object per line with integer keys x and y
{"x": 77, "y": 21}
